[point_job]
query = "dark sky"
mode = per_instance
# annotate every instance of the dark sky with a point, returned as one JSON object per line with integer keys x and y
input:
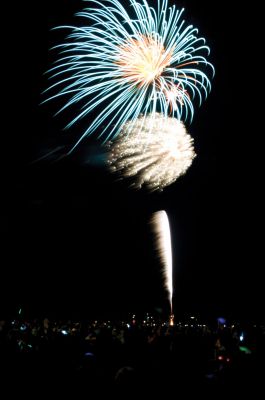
{"x": 75, "y": 241}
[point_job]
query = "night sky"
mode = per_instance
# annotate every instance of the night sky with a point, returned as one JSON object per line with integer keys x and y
{"x": 76, "y": 242}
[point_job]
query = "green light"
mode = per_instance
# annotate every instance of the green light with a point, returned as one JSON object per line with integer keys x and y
{"x": 244, "y": 350}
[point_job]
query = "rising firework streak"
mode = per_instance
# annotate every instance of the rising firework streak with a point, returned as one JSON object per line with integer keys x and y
{"x": 161, "y": 227}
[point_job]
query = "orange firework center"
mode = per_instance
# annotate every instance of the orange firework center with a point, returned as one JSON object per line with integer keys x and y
{"x": 143, "y": 60}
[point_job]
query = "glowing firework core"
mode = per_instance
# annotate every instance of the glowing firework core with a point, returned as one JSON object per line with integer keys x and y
{"x": 144, "y": 59}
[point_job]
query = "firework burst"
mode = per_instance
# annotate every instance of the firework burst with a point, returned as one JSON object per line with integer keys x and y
{"x": 153, "y": 150}
{"x": 120, "y": 66}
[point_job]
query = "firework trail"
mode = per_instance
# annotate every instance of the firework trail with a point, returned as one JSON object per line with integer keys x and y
{"x": 161, "y": 227}
{"x": 155, "y": 151}
{"x": 120, "y": 66}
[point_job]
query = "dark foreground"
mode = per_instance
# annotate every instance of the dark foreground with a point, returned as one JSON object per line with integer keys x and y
{"x": 61, "y": 359}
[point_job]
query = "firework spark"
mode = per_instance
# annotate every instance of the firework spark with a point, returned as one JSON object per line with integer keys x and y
{"x": 161, "y": 226}
{"x": 155, "y": 151}
{"x": 120, "y": 66}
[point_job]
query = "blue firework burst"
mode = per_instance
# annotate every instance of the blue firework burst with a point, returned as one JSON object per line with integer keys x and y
{"x": 123, "y": 64}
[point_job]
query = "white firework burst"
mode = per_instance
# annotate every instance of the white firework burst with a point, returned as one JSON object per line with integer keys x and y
{"x": 154, "y": 150}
